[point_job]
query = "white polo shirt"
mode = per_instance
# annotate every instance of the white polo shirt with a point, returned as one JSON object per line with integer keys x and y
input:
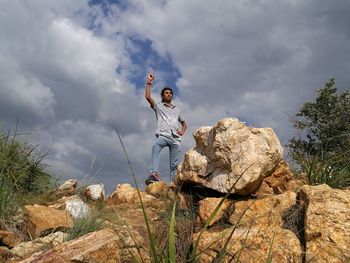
{"x": 168, "y": 119}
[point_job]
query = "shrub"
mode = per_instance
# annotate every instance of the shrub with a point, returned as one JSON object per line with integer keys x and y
{"x": 322, "y": 148}
{"x": 331, "y": 170}
{"x": 21, "y": 165}
{"x": 22, "y": 175}
{"x": 8, "y": 201}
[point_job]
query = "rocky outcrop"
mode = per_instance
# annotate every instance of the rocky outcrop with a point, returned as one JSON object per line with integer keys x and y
{"x": 100, "y": 246}
{"x": 256, "y": 225}
{"x": 327, "y": 223}
{"x": 280, "y": 181}
{"x": 230, "y": 155}
{"x": 131, "y": 243}
{"x": 270, "y": 217}
{"x": 42, "y": 219}
{"x": 27, "y": 248}
{"x": 206, "y": 208}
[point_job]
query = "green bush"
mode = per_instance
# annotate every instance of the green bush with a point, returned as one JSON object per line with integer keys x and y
{"x": 8, "y": 201}
{"x": 326, "y": 169}
{"x": 22, "y": 175}
{"x": 321, "y": 148}
{"x": 20, "y": 165}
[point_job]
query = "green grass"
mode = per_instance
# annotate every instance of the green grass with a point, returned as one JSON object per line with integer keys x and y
{"x": 21, "y": 164}
{"x": 22, "y": 174}
{"x": 333, "y": 170}
{"x": 8, "y": 201}
{"x": 84, "y": 225}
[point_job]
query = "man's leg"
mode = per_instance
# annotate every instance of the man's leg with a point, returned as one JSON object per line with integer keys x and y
{"x": 157, "y": 147}
{"x": 174, "y": 150}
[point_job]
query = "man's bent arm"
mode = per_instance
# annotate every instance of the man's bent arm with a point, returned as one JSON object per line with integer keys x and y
{"x": 148, "y": 90}
{"x": 183, "y": 128}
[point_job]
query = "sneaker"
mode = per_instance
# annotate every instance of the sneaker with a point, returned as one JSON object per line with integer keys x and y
{"x": 154, "y": 177}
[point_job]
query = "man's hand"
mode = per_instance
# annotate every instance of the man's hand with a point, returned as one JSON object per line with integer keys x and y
{"x": 150, "y": 77}
{"x": 180, "y": 132}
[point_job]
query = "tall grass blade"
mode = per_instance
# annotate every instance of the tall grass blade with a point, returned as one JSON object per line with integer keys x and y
{"x": 152, "y": 245}
{"x": 172, "y": 249}
{"x": 134, "y": 258}
{"x": 269, "y": 256}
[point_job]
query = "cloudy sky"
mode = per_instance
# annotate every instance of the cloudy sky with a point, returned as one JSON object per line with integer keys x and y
{"x": 71, "y": 71}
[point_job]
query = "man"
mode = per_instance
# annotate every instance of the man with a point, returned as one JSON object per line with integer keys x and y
{"x": 168, "y": 133}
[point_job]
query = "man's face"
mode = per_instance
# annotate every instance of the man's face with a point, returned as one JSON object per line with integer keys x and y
{"x": 167, "y": 95}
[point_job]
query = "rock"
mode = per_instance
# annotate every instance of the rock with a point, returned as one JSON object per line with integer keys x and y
{"x": 68, "y": 188}
{"x": 257, "y": 225}
{"x": 285, "y": 246}
{"x": 41, "y": 219}
{"x": 131, "y": 243}
{"x": 126, "y": 194}
{"x": 327, "y": 223}
{"x": 9, "y": 239}
{"x": 280, "y": 181}
{"x": 184, "y": 200}
{"x": 225, "y": 152}
{"x": 77, "y": 208}
{"x": 295, "y": 184}
{"x": 100, "y": 246}
{"x": 158, "y": 189}
{"x": 74, "y": 205}
{"x": 208, "y": 205}
{"x": 264, "y": 190}
{"x": 263, "y": 212}
{"x": 95, "y": 192}
{"x": 25, "y": 249}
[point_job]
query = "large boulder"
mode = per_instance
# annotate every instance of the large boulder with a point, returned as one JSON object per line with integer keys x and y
{"x": 227, "y": 151}
{"x": 256, "y": 226}
{"x": 327, "y": 223}
{"x": 42, "y": 219}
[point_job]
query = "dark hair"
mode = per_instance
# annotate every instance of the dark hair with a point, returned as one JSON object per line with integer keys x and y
{"x": 163, "y": 90}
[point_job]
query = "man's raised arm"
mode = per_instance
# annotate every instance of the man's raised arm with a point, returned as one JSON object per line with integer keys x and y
{"x": 148, "y": 97}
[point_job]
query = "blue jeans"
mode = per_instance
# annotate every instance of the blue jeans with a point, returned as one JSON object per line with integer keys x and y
{"x": 174, "y": 152}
